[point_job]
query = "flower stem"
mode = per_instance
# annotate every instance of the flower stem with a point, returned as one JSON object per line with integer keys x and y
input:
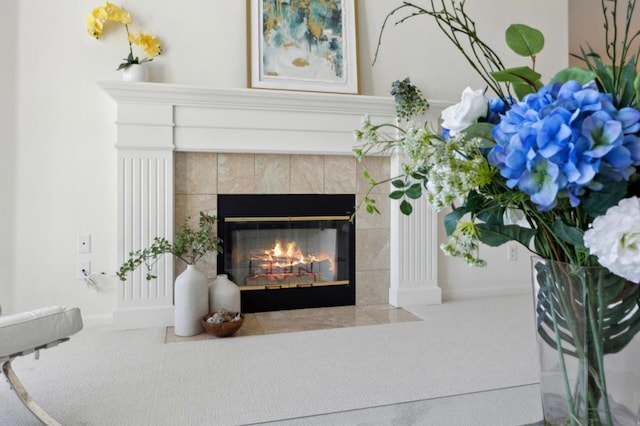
{"x": 126, "y": 26}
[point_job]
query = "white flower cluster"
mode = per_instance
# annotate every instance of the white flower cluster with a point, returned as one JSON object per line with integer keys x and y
{"x": 367, "y": 132}
{"x": 450, "y": 175}
{"x": 416, "y": 144}
{"x": 615, "y": 239}
{"x": 463, "y": 243}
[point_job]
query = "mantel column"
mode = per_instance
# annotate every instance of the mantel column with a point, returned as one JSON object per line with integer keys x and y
{"x": 145, "y": 211}
{"x": 414, "y": 253}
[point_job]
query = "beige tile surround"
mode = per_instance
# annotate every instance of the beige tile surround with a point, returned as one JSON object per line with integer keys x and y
{"x": 199, "y": 177}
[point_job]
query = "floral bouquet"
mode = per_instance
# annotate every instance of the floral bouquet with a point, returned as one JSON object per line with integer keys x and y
{"x": 552, "y": 166}
{"x": 112, "y": 13}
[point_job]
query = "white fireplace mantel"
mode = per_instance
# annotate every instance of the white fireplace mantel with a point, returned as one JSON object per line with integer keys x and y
{"x": 154, "y": 120}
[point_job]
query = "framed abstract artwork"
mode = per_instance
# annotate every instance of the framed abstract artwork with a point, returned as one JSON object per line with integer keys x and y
{"x": 307, "y": 45}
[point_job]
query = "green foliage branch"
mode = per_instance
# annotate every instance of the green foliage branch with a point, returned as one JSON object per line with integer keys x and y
{"x": 189, "y": 245}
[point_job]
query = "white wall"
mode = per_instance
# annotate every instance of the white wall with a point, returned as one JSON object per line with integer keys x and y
{"x": 8, "y": 50}
{"x": 65, "y": 159}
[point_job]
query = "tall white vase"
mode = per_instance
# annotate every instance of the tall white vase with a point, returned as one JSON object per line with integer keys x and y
{"x": 191, "y": 302}
{"x": 224, "y": 294}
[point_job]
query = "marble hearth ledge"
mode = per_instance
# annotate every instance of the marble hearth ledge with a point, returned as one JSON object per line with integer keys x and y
{"x": 154, "y": 120}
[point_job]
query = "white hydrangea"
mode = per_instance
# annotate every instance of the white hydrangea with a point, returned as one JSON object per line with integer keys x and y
{"x": 615, "y": 239}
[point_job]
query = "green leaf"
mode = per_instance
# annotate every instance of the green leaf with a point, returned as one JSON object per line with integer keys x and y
{"x": 522, "y": 90}
{"x": 596, "y": 203}
{"x": 418, "y": 176}
{"x": 627, "y": 92}
{"x": 371, "y": 209}
{"x": 482, "y": 131}
{"x": 569, "y": 234}
{"x": 594, "y": 63}
{"x": 451, "y": 220}
{"x": 414, "y": 192}
{"x": 492, "y": 213}
{"x": 496, "y": 235}
{"x": 524, "y": 40}
{"x": 396, "y": 195}
{"x": 398, "y": 183}
{"x": 475, "y": 202}
{"x": 524, "y": 75}
{"x": 581, "y": 75}
{"x": 406, "y": 208}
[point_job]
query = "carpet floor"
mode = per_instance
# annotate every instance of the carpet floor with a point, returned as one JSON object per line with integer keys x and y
{"x": 107, "y": 377}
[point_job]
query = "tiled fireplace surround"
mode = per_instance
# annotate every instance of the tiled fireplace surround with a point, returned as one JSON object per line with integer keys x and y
{"x": 199, "y": 177}
{"x": 178, "y": 147}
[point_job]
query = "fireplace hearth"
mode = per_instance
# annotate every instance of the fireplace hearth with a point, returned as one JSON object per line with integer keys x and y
{"x": 288, "y": 251}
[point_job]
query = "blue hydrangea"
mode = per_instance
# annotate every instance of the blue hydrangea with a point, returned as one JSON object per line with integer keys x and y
{"x": 497, "y": 107}
{"x": 564, "y": 139}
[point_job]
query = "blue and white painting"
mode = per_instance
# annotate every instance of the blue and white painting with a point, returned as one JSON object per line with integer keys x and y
{"x": 303, "y": 40}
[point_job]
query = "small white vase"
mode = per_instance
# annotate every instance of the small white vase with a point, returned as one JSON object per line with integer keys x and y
{"x": 135, "y": 72}
{"x": 224, "y": 294}
{"x": 190, "y": 299}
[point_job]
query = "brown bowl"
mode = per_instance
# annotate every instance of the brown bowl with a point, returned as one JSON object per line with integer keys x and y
{"x": 221, "y": 329}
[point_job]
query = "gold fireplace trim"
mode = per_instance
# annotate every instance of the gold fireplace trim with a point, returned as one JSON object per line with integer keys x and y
{"x": 284, "y": 218}
{"x": 293, "y": 285}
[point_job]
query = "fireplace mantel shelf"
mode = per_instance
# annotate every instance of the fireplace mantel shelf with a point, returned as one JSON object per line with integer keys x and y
{"x": 246, "y": 99}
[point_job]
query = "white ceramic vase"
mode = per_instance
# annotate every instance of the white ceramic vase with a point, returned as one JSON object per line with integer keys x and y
{"x": 135, "y": 72}
{"x": 224, "y": 294}
{"x": 191, "y": 303}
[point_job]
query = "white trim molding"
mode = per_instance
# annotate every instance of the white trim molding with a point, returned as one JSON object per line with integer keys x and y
{"x": 154, "y": 120}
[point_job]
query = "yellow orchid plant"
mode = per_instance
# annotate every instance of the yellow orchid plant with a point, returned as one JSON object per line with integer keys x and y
{"x": 112, "y": 13}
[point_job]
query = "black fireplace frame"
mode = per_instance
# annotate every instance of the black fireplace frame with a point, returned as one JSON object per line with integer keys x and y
{"x": 278, "y": 205}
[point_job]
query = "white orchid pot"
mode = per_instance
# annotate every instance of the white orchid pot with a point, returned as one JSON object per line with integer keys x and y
{"x": 135, "y": 72}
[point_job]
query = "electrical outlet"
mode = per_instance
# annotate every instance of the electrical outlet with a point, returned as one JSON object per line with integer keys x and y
{"x": 84, "y": 243}
{"x": 512, "y": 252}
{"x": 83, "y": 269}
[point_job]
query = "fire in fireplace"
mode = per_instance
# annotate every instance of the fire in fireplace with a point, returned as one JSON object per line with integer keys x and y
{"x": 278, "y": 266}
{"x": 288, "y": 251}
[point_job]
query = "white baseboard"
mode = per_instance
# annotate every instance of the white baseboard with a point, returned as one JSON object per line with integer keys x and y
{"x": 484, "y": 292}
{"x": 402, "y": 297}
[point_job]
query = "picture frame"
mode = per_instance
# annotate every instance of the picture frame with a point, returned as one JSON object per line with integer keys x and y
{"x": 303, "y": 45}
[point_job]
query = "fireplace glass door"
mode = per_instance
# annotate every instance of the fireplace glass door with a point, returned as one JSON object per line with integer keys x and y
{"x": 288, "y": 261}
{"x": 286, "y": 252}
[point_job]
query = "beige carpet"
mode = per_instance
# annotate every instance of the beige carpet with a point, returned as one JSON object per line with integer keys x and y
{"x": 102, "y": 377}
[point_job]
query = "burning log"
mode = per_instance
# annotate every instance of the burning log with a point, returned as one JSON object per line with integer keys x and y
{"x": 278, "y": 279}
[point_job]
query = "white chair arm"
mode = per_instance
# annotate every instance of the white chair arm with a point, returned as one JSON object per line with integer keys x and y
{"x": 27, "y": 331}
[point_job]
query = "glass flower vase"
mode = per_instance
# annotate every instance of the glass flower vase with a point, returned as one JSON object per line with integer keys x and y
{"x": 586, "y": 320}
